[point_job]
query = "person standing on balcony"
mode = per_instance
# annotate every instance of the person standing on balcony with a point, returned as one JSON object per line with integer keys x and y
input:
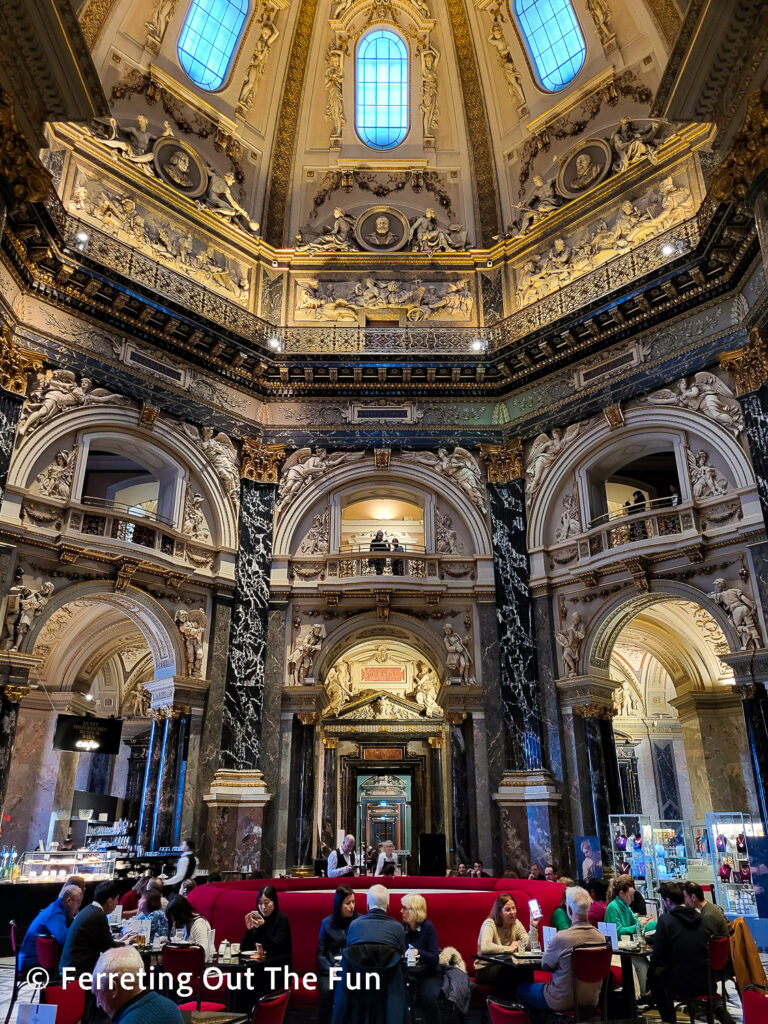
{"x": 397, "y": 563}
{"x": 378, "y": 544}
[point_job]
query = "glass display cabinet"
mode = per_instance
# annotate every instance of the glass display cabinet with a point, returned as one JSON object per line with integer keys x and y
{"x": 670, "y": 856}
{"x": 632, "y": 842}
{"x": 56, "y": 865}
{"x": 729, "y": 835}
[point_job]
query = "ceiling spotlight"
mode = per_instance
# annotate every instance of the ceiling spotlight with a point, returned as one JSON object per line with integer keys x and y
{"x": 89, "y": 696}
{"x": 668, "y": 249}
{"x": 276, "y": 344}
{"x": 479, "y": 345}
{"x": 82, "y": 238}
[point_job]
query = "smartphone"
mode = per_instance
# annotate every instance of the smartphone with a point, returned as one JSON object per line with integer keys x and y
{"x": 534, "y": 909}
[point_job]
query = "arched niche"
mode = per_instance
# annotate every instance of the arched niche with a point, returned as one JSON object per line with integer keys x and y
{"x": 80, "y": 617}
{"x": 403, "y": 478}
{"x": 618, "y": 613}
{"x": 170, "y": 453}
{"x": 600, "y": 451}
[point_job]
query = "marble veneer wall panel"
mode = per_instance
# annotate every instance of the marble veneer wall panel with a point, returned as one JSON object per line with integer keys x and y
{"x": 210, "y": 739}
{"x": 32, "y": 781}
{"x": 244, "y": 694}
{"x": 274, "y": 679}
{"x": 517, "y": 643}
{"x": 493, "y": 722}
{"x": 755, "y": 408}
{"x": 10, "y": 413}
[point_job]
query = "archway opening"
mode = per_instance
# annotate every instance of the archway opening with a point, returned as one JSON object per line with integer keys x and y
{"x": 397, "y": 519}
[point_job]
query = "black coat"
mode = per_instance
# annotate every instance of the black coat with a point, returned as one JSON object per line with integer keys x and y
{"x": 330, "y": 942}
{"x": 275, "y": 937}
{"x": 681, "y": 950}
{"x": 87, "y": 938}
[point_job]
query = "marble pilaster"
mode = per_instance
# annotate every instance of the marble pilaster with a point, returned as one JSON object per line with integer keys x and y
{"x": 274, "y": 682}
{"x": 329, "y": 826}
{"x": 151, "y": 779}
{"x": 167, "y": 818}
{"x": 10, "y": 413}
{"x": 517, "y": 643}
{"x": 99, "y": 773}
{"x": 462, "y": 851}
{"x": 137, "y": 766}
{"x": 303, "y": 788}
{"x": 14, "y": 675}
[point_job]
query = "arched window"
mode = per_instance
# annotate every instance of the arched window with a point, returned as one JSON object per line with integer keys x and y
{"x": 553, "y": 38}
{"x": 382, "y": 89}
{"x": 208, "y": 39}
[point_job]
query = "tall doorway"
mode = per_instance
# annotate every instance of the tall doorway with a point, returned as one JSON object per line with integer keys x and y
{"x": 384, "y": 809}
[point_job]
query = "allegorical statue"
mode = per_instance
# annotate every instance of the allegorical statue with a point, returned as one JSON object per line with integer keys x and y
{"x": 337, "y": 686}
{"x": 458, "y": 660}
{"x": 300, "y": 660}
{"x": 55, "y": 481}
{"x": 426, "y": 686}
{"x": 192, "y": 625}
{"x": 571, "y": 640}
{"x": 740, "y": 609}
{"x": 58, "y": 390}
{"x": 24, "y": 605}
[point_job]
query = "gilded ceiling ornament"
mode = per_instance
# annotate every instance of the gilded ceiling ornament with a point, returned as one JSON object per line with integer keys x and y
{"x": 748, "y": 156}
{"x": 268, "y": 33}
{"x": 706, "y": 394}
{"x": 503, "y": 462}
{"x": 158, "y": 24}
{"x": 261, "y": 462}
{"x": 27, "y": 177}
{"x": 749, "y": 365}
{"x": 16, "y": 364}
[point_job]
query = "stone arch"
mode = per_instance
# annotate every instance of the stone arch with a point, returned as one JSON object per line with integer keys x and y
{"x": 408, "y": 474}
{"x": 651, "y": 423}
{"x": 124, "y": 422}
{"x": 146, "y": 614}
{"x": 400, "y": 627}
{"x": 617, "y": 613}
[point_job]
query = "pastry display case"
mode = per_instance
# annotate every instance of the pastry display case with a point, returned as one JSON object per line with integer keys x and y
{"x": 56, "y": 865}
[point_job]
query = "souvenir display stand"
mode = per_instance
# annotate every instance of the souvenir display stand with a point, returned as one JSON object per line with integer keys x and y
{"x": 728, "y": 837}
{"x": 668, "y": 849}
{"x": 632, "y": 839}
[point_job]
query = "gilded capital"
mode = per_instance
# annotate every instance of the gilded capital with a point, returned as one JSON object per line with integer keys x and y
{"x": 747, "y": 158}
{"x": 15, "y": 694}
{"x": 504, "y": 462}
{"x": 436, "y": 742}
{"x": 330, "y": 742}
{"x": 749, "y": 365}
{"x": 25, "y": 174}
{"x": 307, "y": 717}
{"x": 261, "y": 462}
{"x": 16, "y": 364}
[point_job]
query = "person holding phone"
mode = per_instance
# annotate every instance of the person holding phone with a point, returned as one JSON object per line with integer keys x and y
{"x": 501, "y": 932}
{"x": 268, "y": 937}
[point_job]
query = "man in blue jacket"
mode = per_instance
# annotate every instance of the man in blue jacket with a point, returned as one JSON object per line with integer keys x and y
{"x": 53, "y": 920}
{"x": 376, "y": 926}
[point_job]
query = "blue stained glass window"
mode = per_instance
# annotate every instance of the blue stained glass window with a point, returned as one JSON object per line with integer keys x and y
{"x": 208, "y": 39}
{"x": 381, "y": 114}
{"x": 553, "y": 38}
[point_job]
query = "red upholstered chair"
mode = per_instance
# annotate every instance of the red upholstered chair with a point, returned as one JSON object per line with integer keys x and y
{"x": 506, "y": 1013}
{"x": 189, "y": 960}
{"x": 754, "y": 1000}
{"x": 19, "y": 979}
{"x": 719, "y": 951}
{"x": 591, "y": 964}
{"x": 48, "y": 953}
{"x": 271, "y": 1009}
{"x": 69, "y": 1002}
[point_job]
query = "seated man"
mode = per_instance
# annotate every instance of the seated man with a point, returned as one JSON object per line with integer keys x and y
{"x": 376, "y": 926}
{"x": 711, "y": 915}
{"x": 557, "y": 994}
{"x": 680, "y": 953}
{"x": 118, "y": 986}
{"x": 53, "y": 920}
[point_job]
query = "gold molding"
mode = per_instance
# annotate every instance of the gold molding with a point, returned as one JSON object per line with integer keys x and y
{"x": 15, "y": 694}
{"x": 307, "y": 717}
{"x": 747, "y": 157}
{"x": 483, "y": 163}
{"x": 284, "y": 145}
{"x": 667, "y": 17}
{"x": 504, "y": 462}
{"x": 93, "y": 18}
{"x": 261, "y": 462}
{"x": 27, "y": 177}
{"x": 16, "y": 364}
{"x": 749, "y": 365}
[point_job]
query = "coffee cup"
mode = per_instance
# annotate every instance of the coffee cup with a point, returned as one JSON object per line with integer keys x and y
{"x": 234, "y": 948}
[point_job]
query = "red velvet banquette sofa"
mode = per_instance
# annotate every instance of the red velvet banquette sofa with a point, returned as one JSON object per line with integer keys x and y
{"x": 456, "y": 906}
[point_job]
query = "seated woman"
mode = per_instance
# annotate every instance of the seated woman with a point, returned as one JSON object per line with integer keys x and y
{"x": 181, "y": 914}
{"x": 500, "y": 932}
{"x": 269, "y": 933}
{"x": 621, "y": 892}
{"x": 330, "y": 942}
{"x": 420, "y": 933}
{"x": 560, "y": 919}
{"x": 150, "y": 910}
{"x": 130, "y": 901}
{"x": 187, "y": 886}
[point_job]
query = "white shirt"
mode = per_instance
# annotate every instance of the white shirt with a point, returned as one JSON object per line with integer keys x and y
{"x": 337, "y": 867}
{"x": 199, "y": 932}
{"x": 383, "y": 859}
{"x": 182, "y": 864}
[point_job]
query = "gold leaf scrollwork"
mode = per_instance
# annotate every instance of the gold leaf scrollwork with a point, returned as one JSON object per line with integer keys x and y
{"x": 504, "y": 462}
{"x": 27, "y": 177}
{"x": 747, "y": 158}
{"x": 16, "y": 364}
{"x": 749, "y": 365}
{"x": 261, "y": 462}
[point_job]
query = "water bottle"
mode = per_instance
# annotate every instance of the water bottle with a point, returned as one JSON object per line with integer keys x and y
{"x": 533, "y": 939}
{"x": 410, "y": 957}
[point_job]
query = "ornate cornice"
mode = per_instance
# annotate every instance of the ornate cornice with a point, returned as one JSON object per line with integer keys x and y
{"x": 504, "y": 462}
{"x": 284, "y": 144}
{"x": 16, "y": 364}
{"x": 480, "y": 149}
{"x": 93, "y": 17}
{"x": 749, "y": 365}
{"x": 667, "y": 16}
{"x": 748, "y": 156}
{"x": 18, "y": 164}
{"x": 261, "y": 462}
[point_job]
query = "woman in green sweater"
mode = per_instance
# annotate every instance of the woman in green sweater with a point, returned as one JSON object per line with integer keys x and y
{"x": 619, "y": 912}
{"x": 560, "y": 919}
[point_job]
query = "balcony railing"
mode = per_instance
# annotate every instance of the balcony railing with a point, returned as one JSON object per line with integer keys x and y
{"x": 369, "y": 566}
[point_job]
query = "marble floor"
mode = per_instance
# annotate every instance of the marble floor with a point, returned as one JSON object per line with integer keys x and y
{"x": 6, "y": 987}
